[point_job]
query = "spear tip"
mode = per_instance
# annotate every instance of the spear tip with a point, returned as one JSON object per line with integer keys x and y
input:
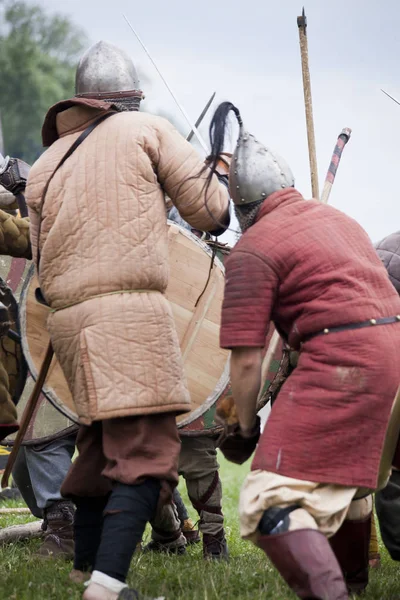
{"x": 302, "y": 20}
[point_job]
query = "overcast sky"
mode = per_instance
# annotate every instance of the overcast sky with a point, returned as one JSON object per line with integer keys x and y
{"x": 248, "y": 52}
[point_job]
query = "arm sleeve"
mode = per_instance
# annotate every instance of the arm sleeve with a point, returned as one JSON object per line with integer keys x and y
{"x": 250, "y": 290}
{"x": 178, "y": 166}
{"x": 14, "y": 236}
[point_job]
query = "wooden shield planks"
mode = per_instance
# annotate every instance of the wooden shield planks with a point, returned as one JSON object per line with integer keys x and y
{"x": 205, "y": 424}
{"x": 197, "y": 321}
{"x": 47, "y": 424}
{"x": 34, "y": 335}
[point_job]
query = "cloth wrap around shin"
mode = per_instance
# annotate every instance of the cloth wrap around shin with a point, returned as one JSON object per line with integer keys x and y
{"x": 199, "y": 466}
{"x": 126, "y": 469}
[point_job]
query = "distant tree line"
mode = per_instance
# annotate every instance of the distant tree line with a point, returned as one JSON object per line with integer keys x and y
{"x": 39, "y": 52}
{"x": 38, "y": 57}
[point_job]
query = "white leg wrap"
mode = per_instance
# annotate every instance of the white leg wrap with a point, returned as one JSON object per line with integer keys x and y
{"x": 107, "y": 582}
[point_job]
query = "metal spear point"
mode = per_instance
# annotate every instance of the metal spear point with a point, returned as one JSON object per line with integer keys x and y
{"x": 201, "y": 117}
{"x": 179, "y": 105}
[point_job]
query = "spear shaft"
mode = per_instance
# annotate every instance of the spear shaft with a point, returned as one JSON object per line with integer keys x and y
{"x": 330, "y": 178}
{"x": 391, "y": 97}
{"x": 312, "y": 153}
{"x": 179, "y": 105}
{"x": 335, "y": 160}
{"x": 302, "y": 25}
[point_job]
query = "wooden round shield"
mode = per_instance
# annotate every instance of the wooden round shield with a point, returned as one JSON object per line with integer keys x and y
{"x": 195, "y": 293}
{"x": 206, "y": 424}
{"x": 47, "y": 423}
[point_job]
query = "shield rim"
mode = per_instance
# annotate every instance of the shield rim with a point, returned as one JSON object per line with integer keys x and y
{"x": 46, "y": 390}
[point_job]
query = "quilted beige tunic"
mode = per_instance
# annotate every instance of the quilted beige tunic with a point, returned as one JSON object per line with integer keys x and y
{"x": 104, "y": 257}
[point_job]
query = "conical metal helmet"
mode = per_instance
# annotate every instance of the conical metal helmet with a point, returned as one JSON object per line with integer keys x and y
{"x": 255, "y": 171}
{"x": 104, "y": 69}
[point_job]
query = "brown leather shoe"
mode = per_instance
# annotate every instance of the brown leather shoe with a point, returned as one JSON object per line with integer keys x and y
{"x": 305, "y": 560}
{"x": 215, "y": 546}
{"x": 351, "y": 547}
{"x": 58, "y": 526}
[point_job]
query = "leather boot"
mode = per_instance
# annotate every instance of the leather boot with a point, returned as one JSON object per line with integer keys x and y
{"x": 351, "y": 547}
{"x": 58, "y": 528}
{"x": 215, "y": 546}
{"x": 306, "y": 562}
{"x": 174, "y": 543}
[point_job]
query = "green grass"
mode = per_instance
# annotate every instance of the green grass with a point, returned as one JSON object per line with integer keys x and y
{"x": 247, "y": 576}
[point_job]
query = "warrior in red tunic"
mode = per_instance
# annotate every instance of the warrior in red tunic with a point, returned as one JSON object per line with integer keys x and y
{"x": 314, "y": 273}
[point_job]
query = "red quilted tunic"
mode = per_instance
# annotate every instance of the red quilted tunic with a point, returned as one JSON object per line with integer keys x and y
{"x": 307, "y": 266}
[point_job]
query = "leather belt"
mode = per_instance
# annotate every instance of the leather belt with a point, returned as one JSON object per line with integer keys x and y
{"x": 350, "y": 326}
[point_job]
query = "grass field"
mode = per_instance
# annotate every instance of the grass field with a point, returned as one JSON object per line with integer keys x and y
{"x": 246, "y": 576}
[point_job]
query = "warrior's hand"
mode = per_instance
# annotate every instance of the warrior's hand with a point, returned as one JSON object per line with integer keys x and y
{"x": 238, "y": 446}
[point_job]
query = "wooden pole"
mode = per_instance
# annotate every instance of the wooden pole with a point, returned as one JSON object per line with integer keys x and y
{"x": 266, "y": 363}
{"x": 302, "y": 25}
{"x": 330, "y": 178}
{"x": 336, "y": 156}
{"x": 14, "y": 533}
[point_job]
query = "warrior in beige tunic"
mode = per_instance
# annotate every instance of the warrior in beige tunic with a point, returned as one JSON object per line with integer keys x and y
{"x": 99, "y": 239}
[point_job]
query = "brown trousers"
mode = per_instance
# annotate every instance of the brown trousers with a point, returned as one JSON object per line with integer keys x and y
{"x": 127, "y": 450}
